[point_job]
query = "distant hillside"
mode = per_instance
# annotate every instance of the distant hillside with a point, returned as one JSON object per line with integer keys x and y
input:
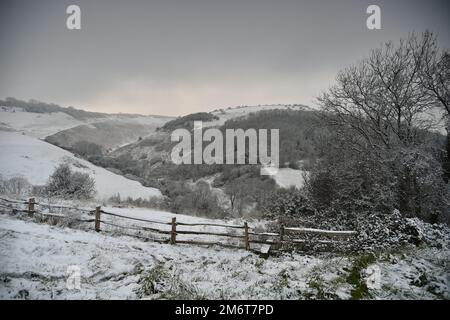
{"x": 244, "y": 111}
{"x": 79, "y": 114}
{"x": 302, "y": 133}
{"x": 302, "y": 141}
{"x": 67, "y": 127}
{"x": 35, "y": 124}
{"x": 187, "y": 122}
{"x": 42, "y": 107}
{"x": 108, "y": 133}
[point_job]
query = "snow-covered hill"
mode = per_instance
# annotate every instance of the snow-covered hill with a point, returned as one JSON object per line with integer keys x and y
{"x": 109, "y": 131}
{"x": 37, "y": 125}
{"x": 230, "y": 113}
{"x": 35, "y": 160}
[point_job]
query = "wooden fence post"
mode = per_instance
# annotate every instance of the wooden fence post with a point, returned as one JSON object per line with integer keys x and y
{"x": 31, "y": 206}
{"x": 173, "y": 232}
{"x": 246, "y": 239}
{"x": 97, "y": 218}
{"x": 281, "y": 235}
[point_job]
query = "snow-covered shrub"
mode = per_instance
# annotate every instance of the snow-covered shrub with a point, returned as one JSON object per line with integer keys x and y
{"x": 375, "y": 230}
{"x": 150, "y": 202}
{"x": 422, "y": 191}
{"x": 346, "y": 180}
{"x": 66, "y": 183}
{"x": 202, "y": 201}
{"x": 197, "y": 199}
{"x": 404, "y": 179}
{"x": 16, "y": 187}
{"x": 379, "y": 231}
{"x": 435, "y": 235}
{"x": 287, "y": 205}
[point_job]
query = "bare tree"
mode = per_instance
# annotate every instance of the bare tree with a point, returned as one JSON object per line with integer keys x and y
{"x": 234, "y": 190}
{"x": 379, "y": 109}
{"x": 434, "y": 76}
{"x": 434, "y": 70}
{"x": 380, "y": 102}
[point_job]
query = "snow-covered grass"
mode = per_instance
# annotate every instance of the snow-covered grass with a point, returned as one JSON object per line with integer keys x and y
{"x": 36, "y": 160}
{"x": 34, "y": 262}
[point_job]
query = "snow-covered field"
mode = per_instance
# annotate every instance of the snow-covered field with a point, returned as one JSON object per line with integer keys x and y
{"x": 36, "y": 262}
{"x": 36, "y": 160}
{"x": 38, "y": 125}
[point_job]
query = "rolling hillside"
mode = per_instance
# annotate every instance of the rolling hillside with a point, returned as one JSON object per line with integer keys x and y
{"x": 109, "y": 133}
{"x": 38, "y": 125}
{"x": 35, "y": 160}
{"x": 65, "y": 127}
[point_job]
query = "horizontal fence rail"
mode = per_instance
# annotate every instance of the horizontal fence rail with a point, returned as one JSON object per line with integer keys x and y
{"x": 320, "y": 231}
{"x": 267, "y": 239}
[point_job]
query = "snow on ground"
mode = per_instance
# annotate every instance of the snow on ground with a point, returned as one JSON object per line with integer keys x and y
{"x": 34, "y": 262}
{"x": 413, "y": 272}
{"x": 166, "y": 217}
{"x": 38, "y": 125}
{"x": 162, "y": 215}
{"x": 35, "y": 160}
{"x": 35, "y": 258}
{"x": 287, "y": 177}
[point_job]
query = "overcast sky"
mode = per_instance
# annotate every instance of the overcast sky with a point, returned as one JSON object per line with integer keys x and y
{"x": 177, "y": 57}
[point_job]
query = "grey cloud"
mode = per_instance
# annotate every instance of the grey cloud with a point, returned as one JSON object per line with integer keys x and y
{"x": 173, "y": 57}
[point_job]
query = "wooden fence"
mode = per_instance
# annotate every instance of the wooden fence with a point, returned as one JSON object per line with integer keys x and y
{"x": 265, "y": 240}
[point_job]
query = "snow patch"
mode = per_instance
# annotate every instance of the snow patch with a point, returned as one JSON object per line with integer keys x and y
{"x": 287, "y": 177}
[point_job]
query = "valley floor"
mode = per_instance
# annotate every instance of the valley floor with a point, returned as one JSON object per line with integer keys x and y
{"x": 36, "y": 259}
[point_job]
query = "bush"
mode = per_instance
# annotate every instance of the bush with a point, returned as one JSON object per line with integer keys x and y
{"x": 16, "y": 187}
{"x": 66, "y": 183}
{"x": 150, "y": 202}
{"x": 287, "y": 205}
{"x": 86, "y": 148}
{"x": 379, "y": 231}
{"x": 198, "y": 199}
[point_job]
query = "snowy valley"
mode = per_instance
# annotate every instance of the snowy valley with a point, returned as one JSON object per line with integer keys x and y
{"x": 38, "y": 251}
